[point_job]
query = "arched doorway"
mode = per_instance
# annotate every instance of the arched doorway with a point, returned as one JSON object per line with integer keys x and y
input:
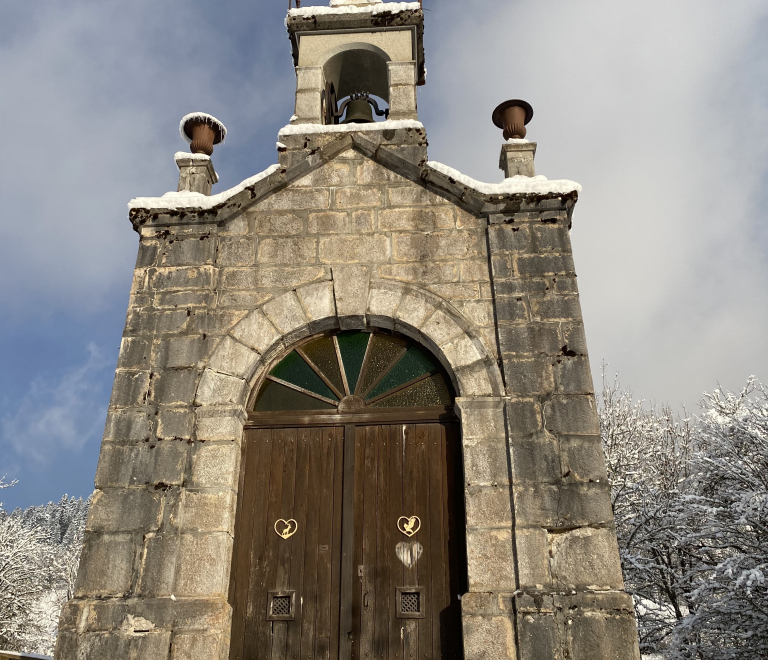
{"x": 350, "y": 527}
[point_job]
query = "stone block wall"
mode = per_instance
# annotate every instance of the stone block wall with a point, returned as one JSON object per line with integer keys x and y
{"x": 352, "y": 232}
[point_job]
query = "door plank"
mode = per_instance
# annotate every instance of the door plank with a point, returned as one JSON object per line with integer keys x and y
{"x": 241, "y": 565}
{"x": 438, "y": 537}
{"x": 297, "y": 542}
{"x": 324, "y": 562}
{"x": 385, "y": 549}
{"x": 337, "y": 436}
{"x": 259, "y": 645}
{"x": 424, "y": 565}
{"x": 410, "y": 504}
{"x": 453, "y": 513}
{"x": 283, "y": 573}
{"x": 369, "y": 526}
{"x": 396, "y": 628}
{"x": 348, "y": 546}
{"x": 314, "y": 502}
{"x": 357, "y": 579}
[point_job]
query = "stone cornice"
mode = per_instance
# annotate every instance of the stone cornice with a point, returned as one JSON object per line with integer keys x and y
{"x": 403, "y": 151}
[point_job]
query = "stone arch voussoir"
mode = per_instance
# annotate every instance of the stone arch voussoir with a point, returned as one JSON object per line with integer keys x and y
{"x": 350, "y": 300}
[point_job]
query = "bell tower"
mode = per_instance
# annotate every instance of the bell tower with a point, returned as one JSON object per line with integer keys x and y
{"x": 356, "y": 50}
{"x": 353, "y": 415}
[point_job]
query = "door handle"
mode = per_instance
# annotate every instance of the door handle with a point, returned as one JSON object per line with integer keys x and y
{"x": 365, "y": 600}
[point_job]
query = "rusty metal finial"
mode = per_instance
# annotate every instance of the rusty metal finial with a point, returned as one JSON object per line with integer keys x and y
{"x": 513, "y": 116}
{"x": 202, "y": 131}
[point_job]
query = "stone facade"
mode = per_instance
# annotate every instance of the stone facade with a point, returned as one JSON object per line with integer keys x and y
{"x": 353, "y": 231}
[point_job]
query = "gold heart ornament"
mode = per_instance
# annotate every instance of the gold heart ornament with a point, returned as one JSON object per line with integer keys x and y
{"x": 290, "y": 527}
{"x": 409, "y": 526}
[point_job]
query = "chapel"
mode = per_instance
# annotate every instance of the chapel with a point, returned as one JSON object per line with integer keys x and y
{"x": 353, "y": 416}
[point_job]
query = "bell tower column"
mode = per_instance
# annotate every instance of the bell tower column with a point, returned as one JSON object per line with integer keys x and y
{"x": 402, "y": 79}
{"x": 309, "y": 92}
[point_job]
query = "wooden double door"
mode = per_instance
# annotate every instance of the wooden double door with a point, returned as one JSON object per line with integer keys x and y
{"x": 348, "y": 544}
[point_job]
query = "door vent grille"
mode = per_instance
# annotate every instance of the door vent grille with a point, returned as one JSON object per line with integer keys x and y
{"x": 281, "y": 606}
{"x": 410, "y": 603}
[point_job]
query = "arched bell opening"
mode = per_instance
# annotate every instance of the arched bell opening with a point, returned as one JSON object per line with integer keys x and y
{"x": 350, "y": 538}
{"x": 356, "y": 84}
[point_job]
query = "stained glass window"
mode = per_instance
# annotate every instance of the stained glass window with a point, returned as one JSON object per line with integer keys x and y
{"x": 374, "y": 369}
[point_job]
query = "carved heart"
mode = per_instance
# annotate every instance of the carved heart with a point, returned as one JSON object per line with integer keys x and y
{"x": 409, "y": 553}
{"x": 290, "y": 527}
{"x": 409, "y": 526}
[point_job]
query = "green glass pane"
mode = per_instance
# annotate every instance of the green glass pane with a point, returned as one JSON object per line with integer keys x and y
{"x": 292, "y": 369}
{"x": 383, "y": 350}
{"x": 274, "y": 397}
{"x": 429, "y": 392}
{"x": 413, "y": 364}
{"x": 322, "y": 352}
{"x": 352, "y": 346}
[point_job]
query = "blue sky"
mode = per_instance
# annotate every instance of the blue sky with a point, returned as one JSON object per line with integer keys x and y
{"x": 659, "y": 109}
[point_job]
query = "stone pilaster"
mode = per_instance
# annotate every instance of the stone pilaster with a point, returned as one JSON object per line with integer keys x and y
{"x": 517, "y": 158}
{"x": 570, "y": 582}
{"x": 402, "y": 90}
{"x": 310, "y": 82}
{"x": 196, "y": 173}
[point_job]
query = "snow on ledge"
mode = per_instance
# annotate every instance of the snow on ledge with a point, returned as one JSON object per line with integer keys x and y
{"x": 378, "y": 8}
{"x": 191, "y": 200}
{"x": 516, "y": 185}
{"x": 182, "y": 155}
{"x": 305, "y": 129}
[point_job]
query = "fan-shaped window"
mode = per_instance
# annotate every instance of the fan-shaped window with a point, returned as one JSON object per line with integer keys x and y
{"x": 354, "y": 372}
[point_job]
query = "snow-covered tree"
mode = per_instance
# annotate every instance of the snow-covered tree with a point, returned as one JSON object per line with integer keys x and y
{"x": 727, "y": 520}
{"x": 39, "y": 554}
{"x": 648, "y": 458}
{"x": 24, "y": 578}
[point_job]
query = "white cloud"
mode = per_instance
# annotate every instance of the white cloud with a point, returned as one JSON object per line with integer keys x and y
{"x": 60, "y": 416}
{"x": 659, "y": 110}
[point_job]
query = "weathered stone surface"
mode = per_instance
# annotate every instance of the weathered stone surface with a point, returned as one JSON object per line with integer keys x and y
{"x": 485, "y": 463}
{"x": 145, "y": 464}
{"x": 586, "y": 558}
{"x": 488, "y": 506}
{"x": 220, "y": 389}
{"x": 174, "y": 386}
{"x": 350, "y": 288}
{"x": 214, "y": 466}
{"x": 125, "y": 509}
{"x": 256, "y": 331}
{"x": 574, "y": 414}
{"x": 158, "y": 565}
{"x": 233, "y": 358}
{"x": 353, "y": 249}
{"x": 106, "y": 565}
{"x": 533, "y": 558}
{"x": 346, "y": 242}
{"x": 203, "y": 568}
{"x": 178, "y": 352}
{"x": 491, "y": 560}
{"x": 489, "y": 638}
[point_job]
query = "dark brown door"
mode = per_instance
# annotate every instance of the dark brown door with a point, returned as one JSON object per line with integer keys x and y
{"x": 347, "y": 544}
{"x": 405, "y": 601}
{"x": 286, "y": 573}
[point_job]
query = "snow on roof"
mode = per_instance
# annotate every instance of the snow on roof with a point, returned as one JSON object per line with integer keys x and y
{"x": 191, "y": 200}
{"x": 378, "y": 8}
{"x": 341, "y": 3}
{"x": 516, "y": 185}
{"x": 305, "y": 129}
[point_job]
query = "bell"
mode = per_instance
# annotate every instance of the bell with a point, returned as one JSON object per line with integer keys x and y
{"x": 359, "y": 111}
